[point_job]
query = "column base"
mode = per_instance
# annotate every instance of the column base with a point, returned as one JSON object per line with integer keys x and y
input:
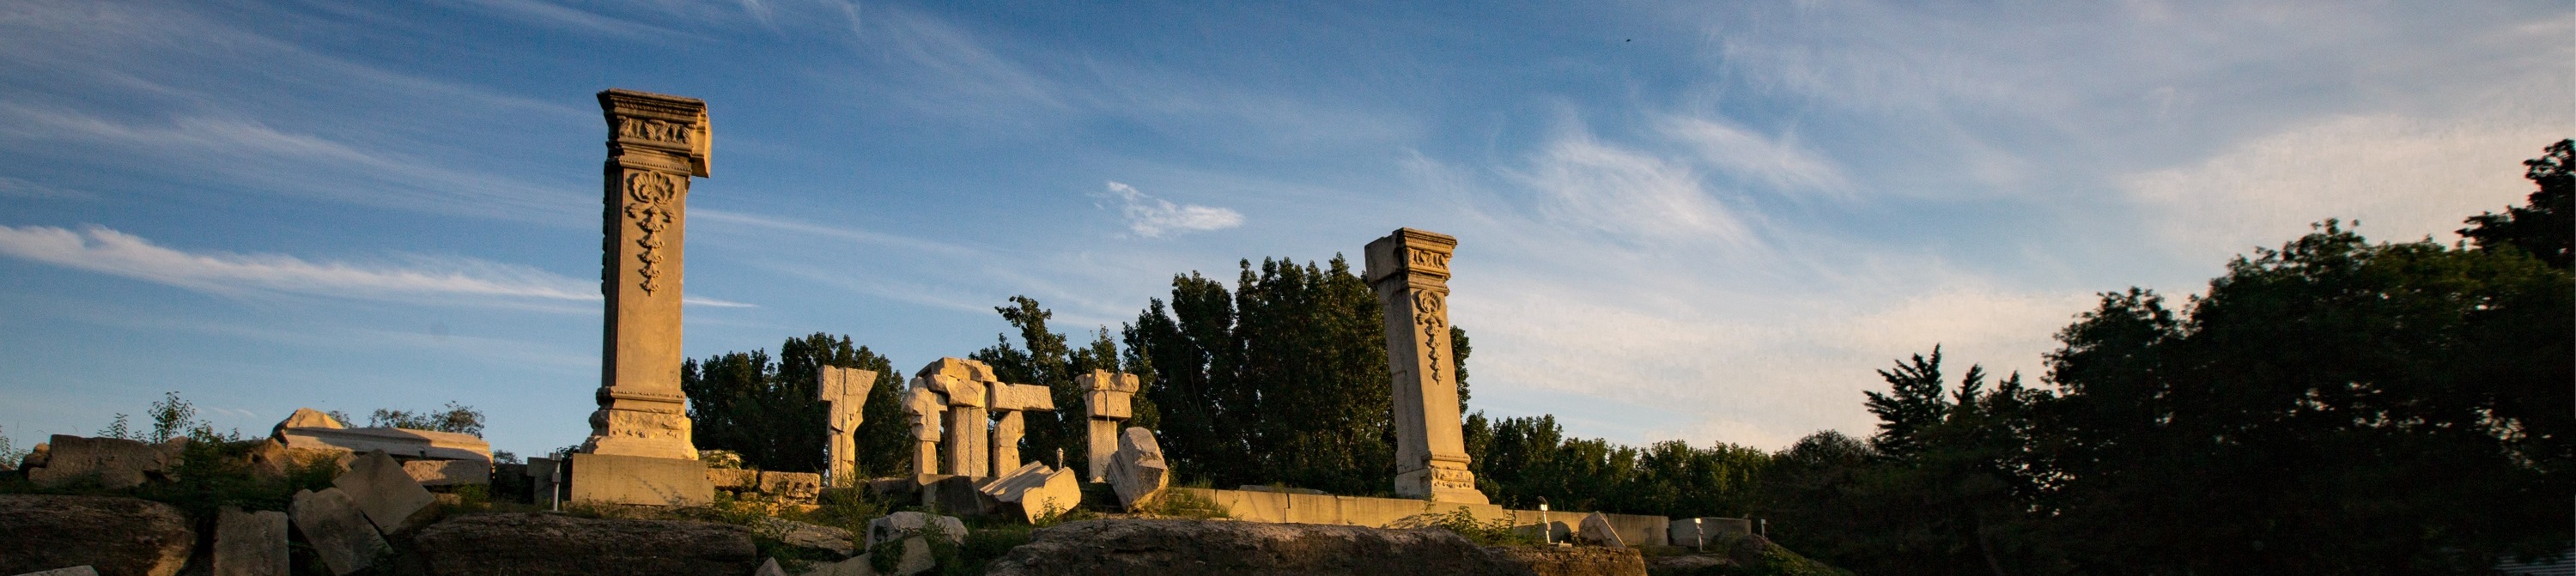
{"x": 1440, "y": 484}
{"x": 640, "y": 480}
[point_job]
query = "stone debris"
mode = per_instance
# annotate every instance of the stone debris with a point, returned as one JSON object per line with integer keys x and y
{"x": 250, "y": 543}
{"x": 733, "y": 480}
{"x": 908, "y": 524}
{"x": 272, "y": 460}
{"x": 1137, "y": 470}
{"x": 449, "y": 472}
{"x": 1020, "y": 397}
{"x": 1596, "y": 531}
{"x": 115, "y": 463}
{"x": 386, "y": 493}
{"x": 337, "y": 530}
{"x": 799, "y": 486}
{"x": 805, "y": 535}
{"x": 36, "y": 456}
{"x": 639, "y": 480}
{"x": 1034, "y": 491}
{"x": 769, "y": 567}
{"x": 113, "y": 535}
{"x": 1129, "y": 546}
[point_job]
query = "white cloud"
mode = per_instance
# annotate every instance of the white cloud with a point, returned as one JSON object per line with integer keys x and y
{"x": 2402, "y": 178}
{"x": 1152, "y": 217}
{"x": 1780, "y": 163}
{"x": 103, "y": 250}
{"x": 1628, "y": 194}
{"x": 17, "y": 188}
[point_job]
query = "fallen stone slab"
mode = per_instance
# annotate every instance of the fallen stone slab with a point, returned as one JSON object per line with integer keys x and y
{"x": 386, "y": 493}
{"x": 250, "y": 543}
{"x": 112, "y": 535}
{"x": 733, "y": 479}
{"x": 338, "y": 531}
{"x": 795, "y": 485}
{"x": 1596, "y": 531}
{"x": 116, "y": 463}
{"x": 538, "y": 544}
{"x": 404, "y": 442}
{"x": 272, "y": 460}
{"x": 304, "y": 418}
{"x": 1137, "y": 470}
{"x": 1034, "y": 491}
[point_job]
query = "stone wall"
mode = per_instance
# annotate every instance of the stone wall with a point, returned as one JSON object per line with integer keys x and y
{"x": 1377, "y": 512}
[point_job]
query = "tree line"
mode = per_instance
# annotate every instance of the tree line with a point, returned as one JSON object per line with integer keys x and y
{"x": 2331, "y": 406}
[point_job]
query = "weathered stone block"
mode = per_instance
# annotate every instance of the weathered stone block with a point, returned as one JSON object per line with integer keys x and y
{"x": 1137, "y": 470}
{"x": 303, "y": 418}
{"x": 1109, "y": 404}
{"x": 958, "y": 495}
{"x": 795, "y": 485}
{"x": 116, "y": 463}
{"x": 735, "y": 480}
{"x": 1596, "y": 530}
{"x": 1020, "y": 397}
{"x": 535, "y": 544}
{"x": 908, "y": 524}
{"x": 250, "y": 543}
{"x": 1034, "y": 490}
{"x": 112, "y": 534}
{"x": 337, "y": 529}
{"x": 640, "y": 480}
{"x": 386, "y": 493}
{"x": 449, "y": 472}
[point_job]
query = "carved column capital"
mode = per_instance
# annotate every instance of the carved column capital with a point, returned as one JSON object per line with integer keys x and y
{"x": 658, "y": 132}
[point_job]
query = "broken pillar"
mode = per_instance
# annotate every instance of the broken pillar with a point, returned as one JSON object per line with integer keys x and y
{"x": 1107, "y": 400}
{"x": 844, "y": 392}
{"x": 963, "y": 383}
{"x": 1410, "y": 271}
{"x": 925, "y": 407}
{"x": 1007, "y": 402}
{"x": 1137, "y": 471}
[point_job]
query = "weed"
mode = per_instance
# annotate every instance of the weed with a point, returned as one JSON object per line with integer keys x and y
{"x": 1496, "y": 532}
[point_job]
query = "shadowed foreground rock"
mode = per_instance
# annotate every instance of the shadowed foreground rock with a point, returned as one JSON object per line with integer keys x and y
{"x": 117, "y": 536}
{"x": 554, "y": 544}
{"x": 1144, "y": 547}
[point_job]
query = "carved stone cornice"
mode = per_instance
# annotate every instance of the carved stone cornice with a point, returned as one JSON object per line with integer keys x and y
{"x": 1420, "y": 257}
{"x": 657, "y": 132}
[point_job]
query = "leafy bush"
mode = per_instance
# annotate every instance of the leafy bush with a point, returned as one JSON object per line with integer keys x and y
{"x": 1496, "y": 532}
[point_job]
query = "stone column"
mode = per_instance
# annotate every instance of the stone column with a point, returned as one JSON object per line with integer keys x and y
{"x": 925, "y": 406}
{"x": 1410, "y": 270}
{"x": 655, "y": 143}
{"x": 964, "y": 384}
{"x": 1008, "y": 402}
{"x": 844, "y": 393}
{"x": 1108, "y": 400}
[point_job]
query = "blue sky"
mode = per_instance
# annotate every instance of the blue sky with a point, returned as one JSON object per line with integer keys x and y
{"x": 1700, "y": 221}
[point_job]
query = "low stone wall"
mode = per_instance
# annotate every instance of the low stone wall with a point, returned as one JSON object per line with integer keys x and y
{"x": 1290, "y": 508}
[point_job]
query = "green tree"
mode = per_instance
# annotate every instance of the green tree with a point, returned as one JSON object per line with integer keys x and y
{"x": 453, "y": 417}
{"x": 2539, "y": 228}
{"x": 1044, "y": 358}
{"x": 767, "y": 410}
{"x": 2334, "y": 406}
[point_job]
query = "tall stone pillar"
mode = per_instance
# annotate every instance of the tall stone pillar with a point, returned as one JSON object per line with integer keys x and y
{"x": 1410, "y": 271}
{"x": 639, "y": 450}
{"x": 655, "y": 143}
{"x": 844, "y": 393}
{"x": 965, "y": 384}
{"x": 1108, "y": 399}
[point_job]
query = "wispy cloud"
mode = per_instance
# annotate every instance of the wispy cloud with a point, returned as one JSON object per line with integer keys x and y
{"x": 1152, "y": 217}
{"x": 446, "y": 280}
{"x": 1780, "y": 162}
{"x": 17, "y": 188}
{"x": 1623, "y": 193}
